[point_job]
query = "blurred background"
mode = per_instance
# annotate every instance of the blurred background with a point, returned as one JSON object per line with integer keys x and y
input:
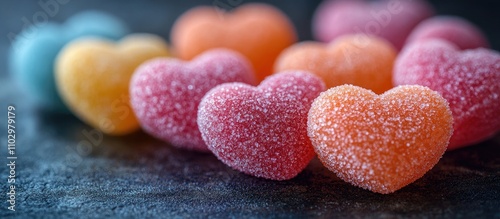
{"x": 138, "y": 176}
{"x": 157, "y": 16}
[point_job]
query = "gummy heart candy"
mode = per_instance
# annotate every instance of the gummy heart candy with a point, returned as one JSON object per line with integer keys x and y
{"x": 93, "y": 76}
{"x": 165, "y": 93}
{"x": 389, "y": 19}
{"x": 34, "y": 51}
{"x": 380, "y": 143}
{"x": 258, "y": 31}
{"x": 458, "y": 31}
{"x": 261, "y": 131}
{"x": 360, "y": 60}
{"x": 469, "y": 80}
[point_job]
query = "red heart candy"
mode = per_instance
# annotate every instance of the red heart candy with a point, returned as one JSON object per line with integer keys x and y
{"x": 165, "y": 93}
{"x": 469, "y": 80}
{"x": 261, "y": 131}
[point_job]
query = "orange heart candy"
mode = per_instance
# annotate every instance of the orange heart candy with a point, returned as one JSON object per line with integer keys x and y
{"x": 258, "y": 31}
{"x": 360, "y": 60}
{"x": 380, "y": 143}
{"x": 93, "y": 77}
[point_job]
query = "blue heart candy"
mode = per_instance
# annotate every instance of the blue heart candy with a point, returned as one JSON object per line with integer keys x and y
{"x": 35, "y": 49}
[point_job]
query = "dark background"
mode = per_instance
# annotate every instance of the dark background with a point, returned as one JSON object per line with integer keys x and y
{"x": 137, "y": 176}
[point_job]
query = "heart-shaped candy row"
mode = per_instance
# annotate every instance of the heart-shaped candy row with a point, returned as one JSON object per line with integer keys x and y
{"x": 263, "y": 131}
{"x": 271, "y": 131}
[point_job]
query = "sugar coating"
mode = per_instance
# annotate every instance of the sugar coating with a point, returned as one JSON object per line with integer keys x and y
{"x": 457, "y": 30}
{"x": 468, "y": 80}
{"x": 261, "y": 131}
{"x": 258, "y": 31}
{"x": 388, "y": 19}
{"x": 357, "y": 59}
{"x": 93, "y": 77}
{"x": 380, "y": 143}
{"x": 165, "y": 93}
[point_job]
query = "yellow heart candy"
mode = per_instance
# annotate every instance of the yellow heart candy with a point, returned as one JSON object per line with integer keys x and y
{"x": 93, "y": 77}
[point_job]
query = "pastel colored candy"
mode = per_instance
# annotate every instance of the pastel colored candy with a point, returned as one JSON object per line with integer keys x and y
{"x": 258, "y": 31}
{"x": 456, "y": 30}
{"x": 34, "y": 51}
{"x": 93, "y": 76}
{"x": 360, "y": 60}
{"x": 392, "y": 20}
{"x": 380, "y": 142}
{"x": 469, "y": 80}
{"x": 165, "y": 93}
{"x": 261, "y": 131}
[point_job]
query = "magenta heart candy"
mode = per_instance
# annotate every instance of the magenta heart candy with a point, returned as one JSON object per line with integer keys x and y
{"x": 261, "y": 131}
{"x": 469, "y": 80}
{"x": 460, "y": 32}
{"x": 389, "y": 19}
{"x": 165, "y": 93}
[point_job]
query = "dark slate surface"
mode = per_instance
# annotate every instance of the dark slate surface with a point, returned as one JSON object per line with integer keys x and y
{"x": 138, "y": 176}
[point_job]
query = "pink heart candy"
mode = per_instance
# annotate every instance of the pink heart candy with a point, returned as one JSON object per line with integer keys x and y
{"x": 469, "y": 80}
{"x": 457, "y": 30}
{"x": 389, "y": 19}
{"x": 165, "y": 93}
